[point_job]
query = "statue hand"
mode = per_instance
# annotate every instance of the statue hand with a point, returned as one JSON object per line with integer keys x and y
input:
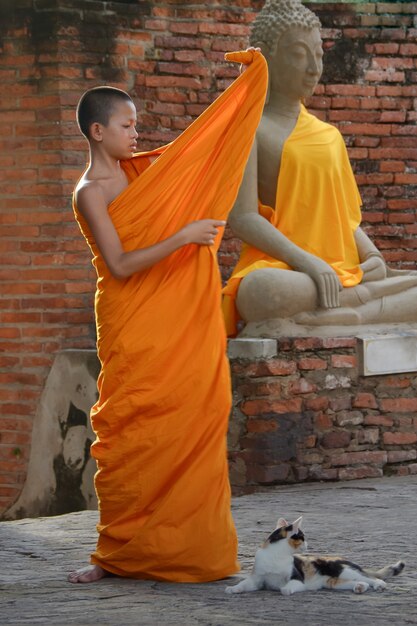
{"x": 326, "y": 280}
{"x": 396, "y": 272}
{"x": 373, "y": 268}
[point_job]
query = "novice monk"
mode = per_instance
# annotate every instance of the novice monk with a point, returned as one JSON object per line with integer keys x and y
{"x": 152, "y": 221}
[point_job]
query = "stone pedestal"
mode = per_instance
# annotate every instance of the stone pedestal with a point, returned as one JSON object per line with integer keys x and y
{"x": 61, "y": 472}
{"x": 303, "y": 411}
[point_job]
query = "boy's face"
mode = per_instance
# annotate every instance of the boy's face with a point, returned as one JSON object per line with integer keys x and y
{"x": 119, "y": 136}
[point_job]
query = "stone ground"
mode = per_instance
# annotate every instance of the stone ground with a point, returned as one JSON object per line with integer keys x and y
{"x": 370, "y": 521}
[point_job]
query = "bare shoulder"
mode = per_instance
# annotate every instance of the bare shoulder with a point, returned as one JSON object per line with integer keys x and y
{"x": 89, "y": 195}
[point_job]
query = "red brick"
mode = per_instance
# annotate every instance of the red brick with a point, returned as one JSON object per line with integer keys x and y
{"x": 275, "y": 367}
{"x": 340, "y": 403}
{"x": 408, "y": 49}
{"x": 398, "y": 405}
{"x": 260, "y": 407}
{"x": 358, "y": 153}
{"x": 393, "y": 116}
{"x": 310, "y": 441}
{"x": 189, "y": 28}
{"x": 396, "y": 382}
{"x": 392, "y": 166}
{"x": 312, "y": 363}
{"x": 375, "y": 178}
{"x": 316, "y": 404}
{"x": 399, "y": 456}
{"x": 350, "y": 90}
{"x": 301, "y": 386}
{"x": 307, "y": 343}
{"x": 339, "y": 342}
{"x": 343, "y": 360}
{"x": 322, "y": 421}
{"x": 386, "y": 48}
{"x": 251, "y": 387}
{"x": 386, "y": 63}
{"x": 399, "y": 438}
{"x": 224, "y": 29}
{"x": 389, "y": 90}
{"x": 10, "y": 332}
{"x": 336, "y": 439}
{"x": 189, "y": 55}
{"x": 376, "y": 457}
{"x": 338, "y": 102}
{"x": 173, "y": 81}
{"x": 405, "y": 179}
{"x": 365, "y": 400}
{"x": 260, "y": 426}
{"x": 168, "y": 108}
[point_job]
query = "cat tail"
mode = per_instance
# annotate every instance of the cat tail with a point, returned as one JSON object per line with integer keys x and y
{"x": 386, "y": 572}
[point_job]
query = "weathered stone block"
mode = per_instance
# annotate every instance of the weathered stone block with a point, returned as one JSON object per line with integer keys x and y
{"x": 386, "y": 354}
{"x": 61, "y": 471}
{"x": 367, "y": 471}
{"x": 251, "y": 348}
{"x": 349, "y": 418}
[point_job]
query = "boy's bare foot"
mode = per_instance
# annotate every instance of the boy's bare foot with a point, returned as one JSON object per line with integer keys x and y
{"x": 88, "y": 574}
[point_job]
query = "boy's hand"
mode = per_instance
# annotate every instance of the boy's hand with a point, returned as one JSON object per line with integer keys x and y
{"x": 243, "y": 67}
{"x": 202, "y": 232}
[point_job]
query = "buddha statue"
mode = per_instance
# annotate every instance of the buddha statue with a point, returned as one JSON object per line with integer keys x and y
{"x": 305, "y": 258}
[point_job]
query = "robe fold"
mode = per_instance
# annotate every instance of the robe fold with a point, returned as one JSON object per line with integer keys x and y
{"x": 317, "y": 207}
{"x": 164, "y": 389}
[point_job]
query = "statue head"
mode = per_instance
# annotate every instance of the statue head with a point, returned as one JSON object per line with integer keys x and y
{"x": 275, "y": 18}
{"x": 289, "y": 36}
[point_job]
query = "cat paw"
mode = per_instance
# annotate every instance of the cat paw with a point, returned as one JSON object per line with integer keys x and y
{"x": 360, "y": 587}
{"x": 379, "y": 585}
{"x": 286, "y": 591}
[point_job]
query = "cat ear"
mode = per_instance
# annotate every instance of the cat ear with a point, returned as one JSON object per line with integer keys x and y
{"x": 297, "y": 524}
{"x": 282, "y": 523}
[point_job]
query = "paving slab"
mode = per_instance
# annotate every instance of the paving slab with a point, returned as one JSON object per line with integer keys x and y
{"x": 370, "y": 521}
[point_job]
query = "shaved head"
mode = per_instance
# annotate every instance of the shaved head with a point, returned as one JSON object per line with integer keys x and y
{"x": 97, "y": 105}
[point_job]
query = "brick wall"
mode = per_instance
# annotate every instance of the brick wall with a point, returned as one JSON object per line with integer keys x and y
{"x": 307, "y": 414}
{"x": 168, "y": 55}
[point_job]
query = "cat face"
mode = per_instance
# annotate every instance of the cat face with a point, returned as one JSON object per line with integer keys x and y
{"x": 291, "y": 533}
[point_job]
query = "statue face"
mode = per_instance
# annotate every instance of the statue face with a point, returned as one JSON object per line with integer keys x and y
{"x": 296, "y": 66}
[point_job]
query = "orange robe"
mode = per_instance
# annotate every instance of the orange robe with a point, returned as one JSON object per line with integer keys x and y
{"x": 164, "y": 390}
{"x": 317, "y": 207}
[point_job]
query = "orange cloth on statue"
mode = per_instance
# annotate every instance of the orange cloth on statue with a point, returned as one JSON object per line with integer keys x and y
{"x": 164, "y": 387}
{"x": 317, "y": 207}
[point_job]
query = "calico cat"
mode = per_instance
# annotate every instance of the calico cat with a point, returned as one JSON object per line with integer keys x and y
{"x": 278, "y": 568}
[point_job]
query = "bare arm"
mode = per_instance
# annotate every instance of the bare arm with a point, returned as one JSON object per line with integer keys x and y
{"x": 372, "y": 261}
{"x": 258, "y": 232}
{"x": 366, "y": 249}
{"x": 91, "y": 204}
